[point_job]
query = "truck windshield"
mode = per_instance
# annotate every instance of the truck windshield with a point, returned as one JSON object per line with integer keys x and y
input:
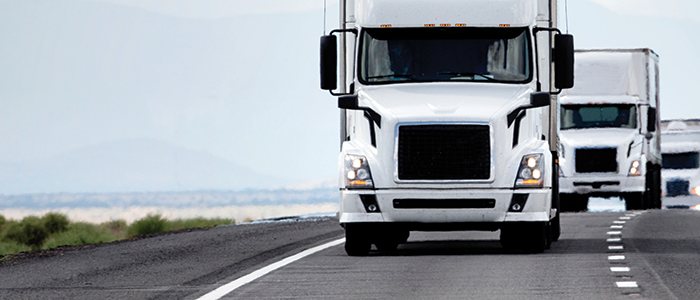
{"x": 677, "y": 161}
{"x": 597, "y": 116}
{"x": 391, "y": 55}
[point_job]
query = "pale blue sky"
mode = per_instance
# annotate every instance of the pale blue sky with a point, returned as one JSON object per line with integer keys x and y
{"x": 238, "y": 79}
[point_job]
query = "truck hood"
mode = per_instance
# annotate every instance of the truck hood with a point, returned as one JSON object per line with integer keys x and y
{"x": 599, "y": 137}
{"x": 444, "y": 101}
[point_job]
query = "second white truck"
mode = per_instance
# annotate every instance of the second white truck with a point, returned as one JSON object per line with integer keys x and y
{"x": 610, "y": 137}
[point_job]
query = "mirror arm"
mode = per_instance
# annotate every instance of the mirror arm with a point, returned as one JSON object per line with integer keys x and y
{"x": 350, "y": 102}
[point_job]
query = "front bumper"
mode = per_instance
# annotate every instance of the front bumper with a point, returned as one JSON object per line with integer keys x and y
{"x": 536, "y": 208}
{"x": 601, "y": 184}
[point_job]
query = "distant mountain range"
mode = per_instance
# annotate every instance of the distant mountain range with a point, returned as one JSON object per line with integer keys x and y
{"x": 132, "y": 166}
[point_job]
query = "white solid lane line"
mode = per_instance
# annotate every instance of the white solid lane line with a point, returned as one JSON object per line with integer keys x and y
{"x": 229, "y": 287}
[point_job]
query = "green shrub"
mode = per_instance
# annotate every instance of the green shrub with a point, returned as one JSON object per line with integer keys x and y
{"x": 148, "y": 225}
{"x": 55, "y": 222}
{"x": 30, "y": 231}
{"x": 116, "y": 227}
{"x": 2, "y": 222}
{"x": 79, "y": 234}
{"x": 12, "y": 247}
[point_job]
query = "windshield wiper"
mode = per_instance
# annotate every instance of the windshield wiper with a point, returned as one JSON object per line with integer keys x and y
{"x": 471, "y": 74}
{"x": 406, "y": 76}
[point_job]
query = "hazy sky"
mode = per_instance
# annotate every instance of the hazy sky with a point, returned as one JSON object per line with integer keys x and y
{"x": 249, "y": 94}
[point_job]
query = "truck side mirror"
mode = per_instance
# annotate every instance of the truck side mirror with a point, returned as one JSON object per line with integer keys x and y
{"x": 563, "y": 61}
{"x": 651, "y": 119}
{"x": 540, "y": 99}
{"x": 329, "y": 62}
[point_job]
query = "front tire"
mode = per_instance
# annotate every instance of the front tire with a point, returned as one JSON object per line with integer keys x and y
{"x": 530, "y": 237}
{"x": 357, "y": 242}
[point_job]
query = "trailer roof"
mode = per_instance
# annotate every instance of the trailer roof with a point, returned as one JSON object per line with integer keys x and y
{"x": 418, "y": 13}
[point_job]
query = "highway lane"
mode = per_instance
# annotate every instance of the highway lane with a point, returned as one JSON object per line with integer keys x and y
{"x": 661, "y": 250}
{"x": 584, "y": 264}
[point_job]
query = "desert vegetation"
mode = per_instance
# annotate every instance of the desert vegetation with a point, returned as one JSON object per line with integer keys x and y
{"x": 53, "y": 229}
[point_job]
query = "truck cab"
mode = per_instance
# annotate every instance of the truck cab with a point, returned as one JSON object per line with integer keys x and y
{"x": 446, "y": 118}
{"x": 610, "y": 141}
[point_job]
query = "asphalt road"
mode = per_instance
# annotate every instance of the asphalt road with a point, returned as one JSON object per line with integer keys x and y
{"x": 657, "y": 256}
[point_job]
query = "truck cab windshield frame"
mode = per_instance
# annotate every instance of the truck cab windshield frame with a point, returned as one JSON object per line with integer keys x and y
{"x": 581, "y": 116}
{"x": 400, "y": 55}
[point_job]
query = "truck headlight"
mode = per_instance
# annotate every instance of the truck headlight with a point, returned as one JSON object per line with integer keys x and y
{"x": 634, "y": 168}
{"x": 357, "y": 174}
{"x": 531, "y": 171}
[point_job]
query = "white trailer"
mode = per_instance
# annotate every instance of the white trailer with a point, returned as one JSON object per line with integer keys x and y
{"x": 610, "y": 142}
{"x": 680, "y": 149}
{"x": 446, "y": 118}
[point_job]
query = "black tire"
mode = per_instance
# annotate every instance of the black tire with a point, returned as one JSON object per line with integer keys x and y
{"x": 530, "y": 237}
{"x": 537, "y": 238}
{"x": 573, "y": 202}
{"x": 357, "y": 242}
{"x": 657, "y": 188}
{"x": 387, "y": 246}
{"x": 634, "y": 201}
{"x": 565, "y": 202}
{"x": 510, "y": 238}
{"x": 403, "y": 236}
{"x": 555, "y": 224}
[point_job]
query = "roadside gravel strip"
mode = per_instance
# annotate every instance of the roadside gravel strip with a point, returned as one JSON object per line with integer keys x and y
{"x": 167, "y": 266}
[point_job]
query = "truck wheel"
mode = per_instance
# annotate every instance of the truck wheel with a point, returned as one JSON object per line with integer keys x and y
{"x": 581, "y": 202}
{"x": 657, "y": 189}
{"x": 403, "y": 236}
{"x": 531, "y": 237}
{"x": 556, "y": 228}
{"x": 537, "y": 238}
{"x": 573, "y": 202}
{"x": 510, "y": 238}
{"x": 565, "y": 204}
{"x": 634, "y": 201}
{"x": 387, "y": 246}
{"x": 356, "y": 241}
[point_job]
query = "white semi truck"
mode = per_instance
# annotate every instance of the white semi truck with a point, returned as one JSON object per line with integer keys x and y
{"x": 448, "y": 118}
{"x": 680, "y": 149}
{"x": 610, "y": 137}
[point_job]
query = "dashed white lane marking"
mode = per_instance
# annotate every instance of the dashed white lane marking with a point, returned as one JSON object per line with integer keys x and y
{"x": 619, "y": 222}
{"x": 229, "y": 287}
{"x": 614, "y": 240}
{"x": 615, "y": 248}
{"x": 616, "y": 226}
{"x": 619, "y": 269}
{"x": 626, "y": 284}
{"x": 614, "y": 232}
{"x": 616, "y": 257}
{"x": 625, "y": 218}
